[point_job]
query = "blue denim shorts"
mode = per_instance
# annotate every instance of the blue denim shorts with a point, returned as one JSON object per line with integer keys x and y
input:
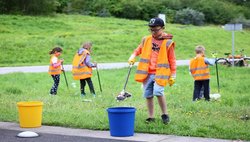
{"x": 151, "y": 88}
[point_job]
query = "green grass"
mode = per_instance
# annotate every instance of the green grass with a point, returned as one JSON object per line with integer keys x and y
{"x": 26, "y": 40}
{"x": 215, "y": 119}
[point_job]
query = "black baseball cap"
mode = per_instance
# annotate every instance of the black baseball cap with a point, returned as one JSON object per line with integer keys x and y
{"x": 156, "y": 22}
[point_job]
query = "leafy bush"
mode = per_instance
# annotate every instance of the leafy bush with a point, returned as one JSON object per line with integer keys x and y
{"x": 170, "y": 15}
{"x": 243, "y": 21}
{"x": 217, "y": 12}
{"x": 189, "y": 16}
{"x": 90, "y": 7}
{"x": 173, "y": 4}
{"x": 29, "y": 7}
{"x": 62, "y": 6}
{"x": 128, "y": 9}
{"x": 150, "y": 9}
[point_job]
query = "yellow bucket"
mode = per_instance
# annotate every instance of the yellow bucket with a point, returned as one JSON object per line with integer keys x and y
{"x": 30, "y": 114}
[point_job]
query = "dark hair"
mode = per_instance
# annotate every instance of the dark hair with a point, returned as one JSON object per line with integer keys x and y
{"x": 56, "y": 49}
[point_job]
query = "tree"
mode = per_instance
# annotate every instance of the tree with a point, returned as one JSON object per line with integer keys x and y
{"x": 30, "y": 7}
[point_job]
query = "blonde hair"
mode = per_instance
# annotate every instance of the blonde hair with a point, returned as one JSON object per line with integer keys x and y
{"x": 84, "y": 45}
{"x": 199, "y": 49}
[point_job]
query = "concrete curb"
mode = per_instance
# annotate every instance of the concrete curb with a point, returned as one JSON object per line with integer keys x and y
{"x": 138, "y": 137}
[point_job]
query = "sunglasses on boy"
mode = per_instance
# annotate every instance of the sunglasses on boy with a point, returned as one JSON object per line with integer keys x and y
{"x": 154, "y": 30}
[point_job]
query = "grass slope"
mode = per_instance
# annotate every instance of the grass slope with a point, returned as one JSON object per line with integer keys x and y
{"x": 26, "y": 40}
{"x": 215, "y": 119}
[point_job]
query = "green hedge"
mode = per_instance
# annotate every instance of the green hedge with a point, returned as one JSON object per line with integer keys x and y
{"x": 215, "y": 12}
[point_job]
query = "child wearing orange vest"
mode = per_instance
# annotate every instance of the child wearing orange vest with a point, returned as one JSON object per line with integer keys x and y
{"x": 82, "y": 68}
{"x": 156, "y": 68}
{"x": 55, "y": 68}
{"x": 200, "y": 72}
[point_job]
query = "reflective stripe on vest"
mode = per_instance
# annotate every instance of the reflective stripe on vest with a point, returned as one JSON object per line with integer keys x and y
{"x": 79, "y": 69}
{"x": 204, "y": 74}
{"x": 199, "y": 69}
{"x": 53, "y": 70}
{"x": 141, "y": 72}
{"x": 144, "y": 60}
{"x": 162, "y": 67}
{"x": 168, "y": 43}
{"x": 81, "y": 73}
{"x": 162, "y": 77}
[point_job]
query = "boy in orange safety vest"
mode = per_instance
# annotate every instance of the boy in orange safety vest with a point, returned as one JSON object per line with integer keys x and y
{"x": 82, "y": 68}
{"x": 55, "y": 68}
{"x": 156, "y": 68}
{"x": 199, "y": 69}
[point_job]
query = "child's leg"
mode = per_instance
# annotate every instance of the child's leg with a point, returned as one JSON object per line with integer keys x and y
{"x": 82, "y": 86}
{"x": 150, "y": 106}
{"x": 159, "y": 92}
{"x": 54, "y": 88}
{"x": 202, "y": 92}
{"x": 163, "y": 104}
{"x": 206, "y": 89}
{"x": 197, "y": 89}
{"x": 148, "y": 87}
{"x": 91, "y": 86}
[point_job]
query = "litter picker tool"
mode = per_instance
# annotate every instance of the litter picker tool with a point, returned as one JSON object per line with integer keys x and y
{"x": 65, "y": 76}
{"x": 217, "y": 72}
{"x": 99, "y": 78}
{"x": 214, "y": 54}
{"x": 217, "y": 75}
{"x": 216, "y": 95}
{"x": 123, "y": 94}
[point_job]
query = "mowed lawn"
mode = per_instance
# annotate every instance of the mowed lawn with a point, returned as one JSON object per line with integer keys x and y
{"x": 224, "y": 118}
{"x": 26, "y": 40}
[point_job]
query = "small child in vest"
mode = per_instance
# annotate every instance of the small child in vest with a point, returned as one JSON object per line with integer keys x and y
{"x": 55, "y": 68}
{"x": 200, "y": 72}
{"x": 82, "y": 68}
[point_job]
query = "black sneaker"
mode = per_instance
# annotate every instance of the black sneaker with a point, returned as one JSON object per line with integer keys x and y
{"x": 149, "y": 120}
{"x": 165, "y": 118}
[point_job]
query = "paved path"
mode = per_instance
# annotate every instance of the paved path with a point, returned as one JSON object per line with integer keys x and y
{"x": 4, "y": 70}
{"x": 8, "y": 132}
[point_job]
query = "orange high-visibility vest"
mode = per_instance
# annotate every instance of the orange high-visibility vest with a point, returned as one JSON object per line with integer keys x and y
{"x": 199, "y": 69}
{"x": 162, "y": 74}
{"x": 79, "y": 69}
{"x": 52, "y": 70}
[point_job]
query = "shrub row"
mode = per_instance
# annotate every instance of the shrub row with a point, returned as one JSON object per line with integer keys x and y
{"x": 177, "y": 11}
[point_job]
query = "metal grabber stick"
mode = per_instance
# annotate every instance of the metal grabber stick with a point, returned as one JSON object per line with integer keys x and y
{"x": 65, "y": 76}
{"x": 123, "y": 94}
{"x": 98, "y": 78}
{"x": 130, "y": 67}
{"x": 217, "y": 75}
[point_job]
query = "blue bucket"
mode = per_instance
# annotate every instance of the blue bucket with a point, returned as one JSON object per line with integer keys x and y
{"x": 121, "y": 121}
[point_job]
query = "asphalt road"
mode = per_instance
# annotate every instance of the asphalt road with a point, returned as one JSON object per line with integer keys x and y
{"x": 11, "y": 136}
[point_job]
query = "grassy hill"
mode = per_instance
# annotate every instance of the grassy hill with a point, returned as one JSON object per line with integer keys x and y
{"x": 26, "y": 40}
